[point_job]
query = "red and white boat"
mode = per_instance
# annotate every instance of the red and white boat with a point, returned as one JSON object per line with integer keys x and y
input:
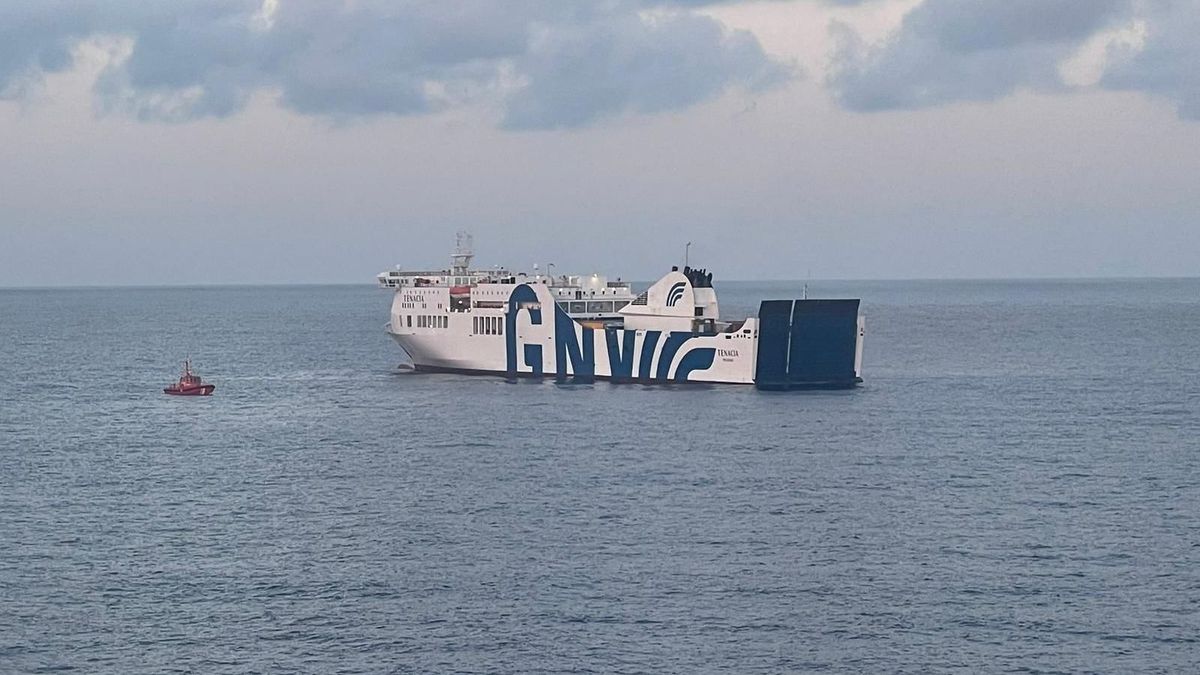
{"x": 189, "y": 384}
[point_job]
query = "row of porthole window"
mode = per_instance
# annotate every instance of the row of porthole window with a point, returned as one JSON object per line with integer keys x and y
{"x": 489, "y": 325}
{"x": 426, "y": 321}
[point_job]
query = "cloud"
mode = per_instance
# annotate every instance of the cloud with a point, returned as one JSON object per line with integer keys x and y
{"x": 966, "y": 50}
{"x": 1164, "y": 62}
{"x": 628, "y": 63}
{"x": 546, "y": 63}
{"x": 36, "y": 38}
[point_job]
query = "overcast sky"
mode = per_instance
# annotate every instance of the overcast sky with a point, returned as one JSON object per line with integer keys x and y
{"x": 245, "y": 141}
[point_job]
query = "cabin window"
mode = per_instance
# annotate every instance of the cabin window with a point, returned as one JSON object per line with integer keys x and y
{"x": 699, "y": 311}
{"x": 409, "y": 317}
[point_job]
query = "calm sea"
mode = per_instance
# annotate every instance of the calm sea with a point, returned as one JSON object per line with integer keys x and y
{"x": 1015, "y": 488}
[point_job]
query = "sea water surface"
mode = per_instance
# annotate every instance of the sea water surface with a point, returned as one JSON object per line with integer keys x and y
{"x": 1016, "y": 488}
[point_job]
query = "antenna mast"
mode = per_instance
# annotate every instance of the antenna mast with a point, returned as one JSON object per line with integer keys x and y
{"x": 464, "y": 252}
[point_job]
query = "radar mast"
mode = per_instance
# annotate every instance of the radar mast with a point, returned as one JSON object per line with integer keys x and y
{"x": 463, "y": 252}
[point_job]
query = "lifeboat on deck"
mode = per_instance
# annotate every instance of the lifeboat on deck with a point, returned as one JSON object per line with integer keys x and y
{"x": 189, "y": 384}
{"x": 460, "y": 298}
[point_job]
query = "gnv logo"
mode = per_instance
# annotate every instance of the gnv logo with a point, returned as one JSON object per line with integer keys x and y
{"x": 575, "y": 347}
{"x": 581, "y": 354}
{"x": 676, "y": 294}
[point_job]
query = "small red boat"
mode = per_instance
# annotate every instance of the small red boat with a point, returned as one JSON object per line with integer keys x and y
{"x": 189, "y": 384}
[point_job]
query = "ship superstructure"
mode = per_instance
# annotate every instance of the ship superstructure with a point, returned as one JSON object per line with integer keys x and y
{"x": 585, "y": 327}
{"x": 586, "y": 297}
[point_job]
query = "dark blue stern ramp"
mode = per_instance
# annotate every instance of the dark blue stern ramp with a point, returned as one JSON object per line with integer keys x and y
{"x": 808, "y": 344}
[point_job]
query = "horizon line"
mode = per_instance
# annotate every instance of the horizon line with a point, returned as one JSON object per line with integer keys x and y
{"x": 303, "y": 284}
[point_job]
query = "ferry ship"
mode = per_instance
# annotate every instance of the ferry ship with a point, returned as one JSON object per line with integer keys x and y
{"x": 586, "y": 327}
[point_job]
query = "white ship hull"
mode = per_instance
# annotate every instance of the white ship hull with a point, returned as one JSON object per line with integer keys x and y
{"x": 653, "y": 356}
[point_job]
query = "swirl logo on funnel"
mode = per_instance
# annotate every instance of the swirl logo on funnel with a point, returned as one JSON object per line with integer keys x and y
{"x": 676, "y": 294}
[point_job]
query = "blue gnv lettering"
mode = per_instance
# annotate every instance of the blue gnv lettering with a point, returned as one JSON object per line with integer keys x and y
{"x": 575, "y": 350}
{"x": 582, "y": 357}
{"x": 578, "y": 354}
{"x": 522, "y": 294}
{"x": 620, "y": 356}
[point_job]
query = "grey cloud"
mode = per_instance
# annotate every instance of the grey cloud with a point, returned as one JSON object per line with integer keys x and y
{"x": 966, "y": 50}
{"x": 979, "y": 25}
{"x": 627, "y": 64}
{"x": 1166, "y": 66}
{"x": 36, "y": 38}
{"x": 194, "y": 58}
